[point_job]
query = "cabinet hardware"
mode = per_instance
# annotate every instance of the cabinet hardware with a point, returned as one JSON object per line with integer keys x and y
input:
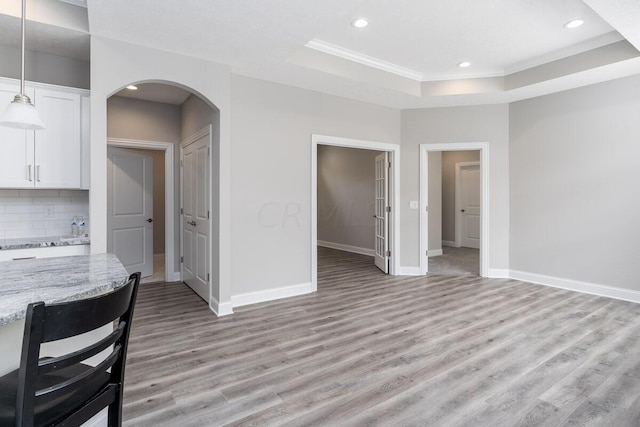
{"x": 38, "y": 173}
{"x": 29, "y": 173}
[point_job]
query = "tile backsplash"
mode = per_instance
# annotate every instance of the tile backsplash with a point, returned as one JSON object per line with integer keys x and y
{"x": 41, "y": 213}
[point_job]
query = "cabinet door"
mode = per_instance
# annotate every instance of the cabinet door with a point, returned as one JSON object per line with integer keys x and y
{"x": 57, "y": 148}
{"x": 16, "y": 161}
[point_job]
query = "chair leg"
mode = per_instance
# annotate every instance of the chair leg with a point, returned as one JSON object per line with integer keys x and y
{"x": 115, "y": 413}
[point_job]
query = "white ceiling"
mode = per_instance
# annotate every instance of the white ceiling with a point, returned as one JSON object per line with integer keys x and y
{"x": 405, "y": 58}
{"x": 157, "y": 92}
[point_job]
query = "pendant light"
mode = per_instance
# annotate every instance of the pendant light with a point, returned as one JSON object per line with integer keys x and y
{"x": 21, "y": 113}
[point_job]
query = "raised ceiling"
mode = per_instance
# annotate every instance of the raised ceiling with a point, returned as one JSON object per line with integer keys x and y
{"x": 405, "y": 58}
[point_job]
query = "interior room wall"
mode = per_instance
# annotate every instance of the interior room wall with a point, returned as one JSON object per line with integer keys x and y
{"x": 45, "y": 68}
{"x": 346, "y": 197}
{"x": 195, "y": 115}
{"x": 449, "y": 160}
{"x": 484, "y": 123}
{"x": 272, "y": 126}
{"x": 574, "y": 184}
{"x": 130, "y": 118}
{"x": 434, "y": 162}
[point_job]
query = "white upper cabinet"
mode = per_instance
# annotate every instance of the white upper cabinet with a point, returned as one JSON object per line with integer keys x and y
{"x": 16, "y": 159}
{"x": 50, "y": 158}
{"x": 58, "y": 152}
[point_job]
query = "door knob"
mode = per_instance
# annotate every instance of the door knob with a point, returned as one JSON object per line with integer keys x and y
{"x": 149, "y": 220}
{"x": 192, "y": 223}
{"x": 461, "y": 210}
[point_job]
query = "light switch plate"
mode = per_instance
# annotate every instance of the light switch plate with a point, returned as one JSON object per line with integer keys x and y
{"x": 413, "y": 204}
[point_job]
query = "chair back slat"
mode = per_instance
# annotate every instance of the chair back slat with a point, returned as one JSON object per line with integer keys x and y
{"x": 62, "y": 381}
{"x": 77, "y": 317}
{"x": 48, "y": 365}
{"x": 55, "y": 391}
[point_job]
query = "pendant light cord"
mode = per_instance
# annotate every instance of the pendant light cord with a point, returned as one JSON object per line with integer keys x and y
{"x": 24, "y": 13}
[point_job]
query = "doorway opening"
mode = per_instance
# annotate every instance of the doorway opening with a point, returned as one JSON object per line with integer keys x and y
{"x": 454, "y": 206}
{"x": 156, "y": 254}
{"x": 344, "y": 219}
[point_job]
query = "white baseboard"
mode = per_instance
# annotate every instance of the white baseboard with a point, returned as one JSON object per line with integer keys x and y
{"x": 498, "y": 273}
{"x": 449, "y": 243}
{"x": 410, "y": 271}
{"x": 176, "y": 276}
{"x": 347, "y": 248}
{"x": 574, "y": 285}
{"x": 434, "y": 252}
{"x": 221, "y": 309}
{"x": 271, "y": 294}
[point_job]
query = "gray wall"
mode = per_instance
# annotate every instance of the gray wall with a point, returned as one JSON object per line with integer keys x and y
{"x": 346, "y": 194}
{"x": 574, "y": 184}
{"x": 45, "y": 68}
{"x": 130, "y": 118}
{"x": 272, "y": 126}
{"x": 486, "y": 123}
{"x": 449, "y": 160}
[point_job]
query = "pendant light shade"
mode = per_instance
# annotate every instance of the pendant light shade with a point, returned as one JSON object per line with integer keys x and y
{"x": 21, "y": 113}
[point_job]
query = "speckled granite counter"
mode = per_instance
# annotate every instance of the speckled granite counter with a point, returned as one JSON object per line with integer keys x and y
{"x": 55, "y": 280}
{"x": 42, "y": 242}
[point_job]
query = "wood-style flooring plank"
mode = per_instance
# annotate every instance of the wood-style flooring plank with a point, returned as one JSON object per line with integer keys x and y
{"x": 375, "y": 350}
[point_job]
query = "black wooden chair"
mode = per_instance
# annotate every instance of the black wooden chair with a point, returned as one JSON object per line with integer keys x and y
{"x": 62, "y": 390}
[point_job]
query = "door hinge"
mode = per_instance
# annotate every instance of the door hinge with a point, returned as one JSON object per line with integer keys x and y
{"x": 426, "y": 208}
{"x": 181, "y": 211}
{"x": 388, "y": 208}
{"x": 181, "y": 259}
{"x": 389, "y": 165}
{"x": 388, "y": 253}
{"x": 426, "y": 252}
{"x": 207, "y": 277}
{"x": 207, "y": 214}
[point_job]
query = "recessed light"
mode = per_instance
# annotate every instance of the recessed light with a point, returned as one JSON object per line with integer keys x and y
{"x": 574, "y": 24}
{"x": 360, "y": 23}
{"x": 464, "y": 64}
{"x": 132, "y": 87}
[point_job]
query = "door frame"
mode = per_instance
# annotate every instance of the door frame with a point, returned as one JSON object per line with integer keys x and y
{"x": 171, "y": 274}
{"x": 394, "y": 196}
{"x": 458, "y": 201}
{"x": 483, "y": 147}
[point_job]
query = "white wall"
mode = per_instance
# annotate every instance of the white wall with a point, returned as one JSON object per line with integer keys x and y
{"x": 487, "y": 123}
{"x": 272, "y": 126}
{"x": 575, "y": 196}
{"x": 115, "y": 65}
{"x": 346, "y": 196}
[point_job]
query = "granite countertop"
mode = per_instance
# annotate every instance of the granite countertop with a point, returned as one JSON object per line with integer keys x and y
{"x": 55, "y": 280}
{"x": 43, "y": 242}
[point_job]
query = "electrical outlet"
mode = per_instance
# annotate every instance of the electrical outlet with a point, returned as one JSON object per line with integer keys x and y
{"x": 49, "y": 212}
{"x": 413, "y": 204}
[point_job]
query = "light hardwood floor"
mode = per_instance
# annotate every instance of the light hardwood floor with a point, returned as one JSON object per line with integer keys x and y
{"x": 376, "y": 350}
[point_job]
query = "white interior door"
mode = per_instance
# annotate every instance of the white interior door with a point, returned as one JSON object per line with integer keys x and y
{"x": 195, "y": 215}
{"x": 381, "y": 213}
{"x": 130, "y": 209}
{"x": 469, "y": 215}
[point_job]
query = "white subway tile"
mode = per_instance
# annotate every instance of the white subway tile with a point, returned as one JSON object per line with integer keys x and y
{"x": 38, "y": 193}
